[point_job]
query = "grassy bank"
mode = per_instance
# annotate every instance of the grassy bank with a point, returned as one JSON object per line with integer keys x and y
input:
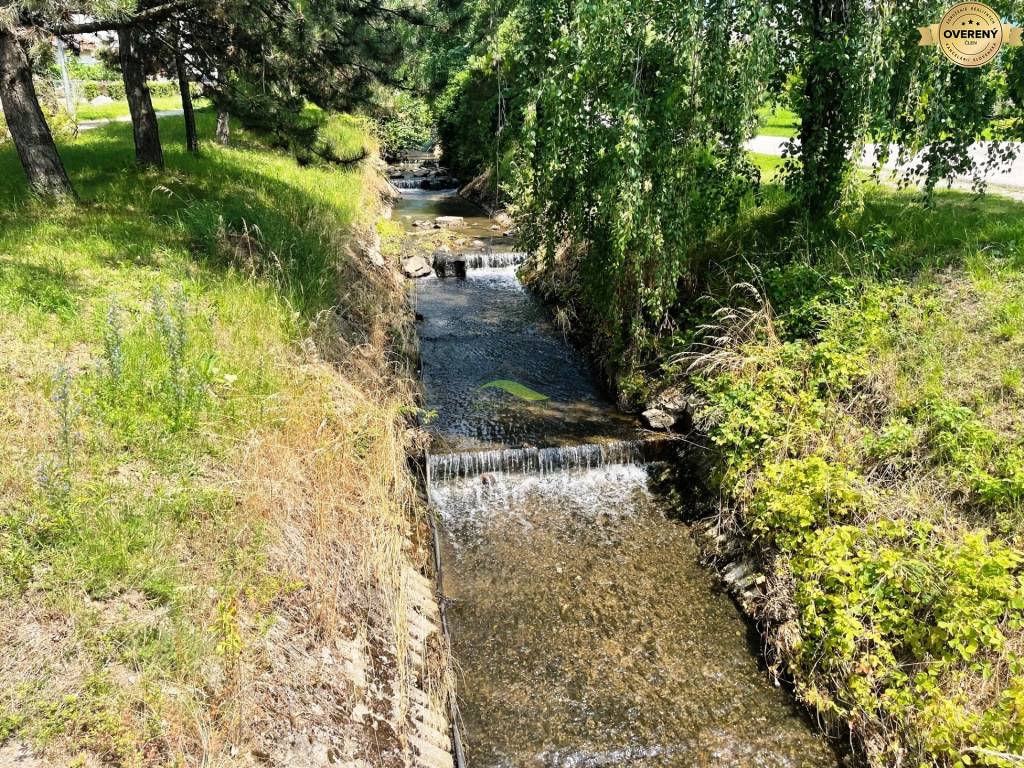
{"x": 202, "y": 493}
{"x": 859, "y": 395}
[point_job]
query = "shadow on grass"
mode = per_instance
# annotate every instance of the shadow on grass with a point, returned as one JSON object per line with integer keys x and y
{"x": 893, "y": 238}
{"x": 197, "y": 205}
{"x": 47, "y": 288}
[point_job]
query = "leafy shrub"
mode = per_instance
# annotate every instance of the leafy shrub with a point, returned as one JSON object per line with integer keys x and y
{"x": 896, "y": 438}
{"x": 876, "y": 603}
{"x": 406, "y": 123}
{"x": 795, "y": 497}
{"x": 114, "y": 89}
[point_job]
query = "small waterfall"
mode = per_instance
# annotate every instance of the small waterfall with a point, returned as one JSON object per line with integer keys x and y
{"x": 496, "y": 259}
{"x": 446, "y": 467}
{"x": 456, "y": 264}
{"x": 431, "y": 183}
{"x": 407, "y": 183}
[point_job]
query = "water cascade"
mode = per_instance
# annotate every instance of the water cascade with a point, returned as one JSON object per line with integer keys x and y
{"x": 586, "y": 631}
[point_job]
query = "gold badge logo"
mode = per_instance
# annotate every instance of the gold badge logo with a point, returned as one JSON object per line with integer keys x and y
{"x": 970, "y": 34}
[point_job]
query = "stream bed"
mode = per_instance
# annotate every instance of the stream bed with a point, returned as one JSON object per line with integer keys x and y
{"x": 585, "y": 631}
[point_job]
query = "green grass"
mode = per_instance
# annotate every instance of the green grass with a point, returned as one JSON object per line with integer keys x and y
{"x": 115, "y": 109}
{"x": 869, "y": 443}
{"x": 152, "y": 344}
{"x": 777, "y": 121}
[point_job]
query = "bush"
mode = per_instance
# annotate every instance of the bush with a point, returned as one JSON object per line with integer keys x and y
{"x": 875, "y": 603}
{"x": 406, "y": 123}
{"x": 115, "y": 89}
{"x": 111, "y": 88}
{"x": 795, "y": 497}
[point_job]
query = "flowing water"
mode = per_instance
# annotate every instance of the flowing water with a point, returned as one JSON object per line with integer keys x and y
{"x": 585, "y": 631}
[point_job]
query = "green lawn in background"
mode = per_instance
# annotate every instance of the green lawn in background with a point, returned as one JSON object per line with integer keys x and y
{"x": 86, "y": 111}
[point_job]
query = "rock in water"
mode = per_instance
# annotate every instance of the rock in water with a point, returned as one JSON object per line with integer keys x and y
{"x": 416, "y": 266}
{"x": 449, "y": 222}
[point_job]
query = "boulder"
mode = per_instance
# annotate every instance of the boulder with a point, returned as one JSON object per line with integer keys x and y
{"x": 675, "y": 401}
{"x": 449, "y": 222}
{"x": 101, "y": 100}
{"x": 448, "y": 264}
{"x": 658, "y": 419}
{"x": 415, "y": 266}
{"x": 670, "y": 408}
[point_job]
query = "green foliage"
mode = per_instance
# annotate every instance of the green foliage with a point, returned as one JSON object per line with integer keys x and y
{"x": 795, "y": 497}
{"x": 114, "y": 89}
{"x": 79, "y": 70}
{"x": 869, "y": 445}
{"x": 871, "y": 599}
{"x": 595, "y": 165}
{"x": 405, "y": 122}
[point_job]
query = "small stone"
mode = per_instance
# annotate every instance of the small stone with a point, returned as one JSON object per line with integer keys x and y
{"x": 449, "y": 222}
{"x": 416, "y": 266}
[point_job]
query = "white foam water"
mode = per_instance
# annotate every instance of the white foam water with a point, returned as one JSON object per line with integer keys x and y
{"x": 445, "y": 467}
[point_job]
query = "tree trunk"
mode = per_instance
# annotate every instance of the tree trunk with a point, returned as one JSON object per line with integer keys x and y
{"x": 191, "y": 138}
{"x": 140, "y": 103}
{"x": 831, "y": 106}
{"x": 25, "y": 121}
{"x": 223, "y": 125}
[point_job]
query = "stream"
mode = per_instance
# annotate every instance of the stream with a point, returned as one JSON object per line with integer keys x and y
{"x": 584, "y": 629}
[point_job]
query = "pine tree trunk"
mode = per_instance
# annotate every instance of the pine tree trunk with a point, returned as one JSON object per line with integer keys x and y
{"x": 191, "y": 138}
{"x": 144, "y": 123}
{"x": 29, "y": 131}
{"x": 223, "y": 125}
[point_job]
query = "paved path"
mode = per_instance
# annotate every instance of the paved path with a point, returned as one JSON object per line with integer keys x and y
{"x": 1011, "y": 177}
{"x": 88, "y": 125}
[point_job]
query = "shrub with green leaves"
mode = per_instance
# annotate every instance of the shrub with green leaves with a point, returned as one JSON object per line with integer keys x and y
{"x": 898, "y": 621}
{"x": 796, "y": 497}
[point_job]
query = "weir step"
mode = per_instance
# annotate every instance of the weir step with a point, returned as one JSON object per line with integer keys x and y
{"x": 445, "y": 467}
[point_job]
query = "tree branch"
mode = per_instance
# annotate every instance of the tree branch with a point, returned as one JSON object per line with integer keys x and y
{"x": 155, "y": 13}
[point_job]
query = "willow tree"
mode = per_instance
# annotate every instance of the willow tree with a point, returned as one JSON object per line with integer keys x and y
{"x": 862, "y": 77}
{"x": 634, "y": 146}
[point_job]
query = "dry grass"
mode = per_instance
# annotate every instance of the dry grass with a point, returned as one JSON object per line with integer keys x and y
{"x": 220, "y": 579}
